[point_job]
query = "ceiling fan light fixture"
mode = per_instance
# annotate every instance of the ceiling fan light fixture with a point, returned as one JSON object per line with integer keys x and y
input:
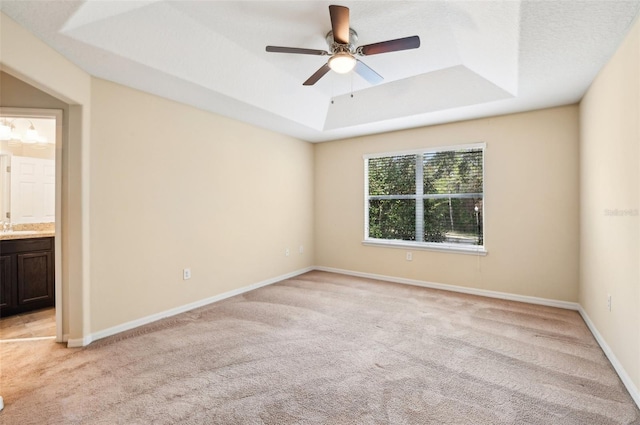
{"x": 342, "y": 62}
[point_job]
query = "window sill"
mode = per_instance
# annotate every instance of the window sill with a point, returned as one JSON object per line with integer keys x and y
{"x": 451, "y": 248}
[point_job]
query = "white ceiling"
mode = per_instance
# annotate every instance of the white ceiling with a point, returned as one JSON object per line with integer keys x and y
{"x": 477, "y": 58}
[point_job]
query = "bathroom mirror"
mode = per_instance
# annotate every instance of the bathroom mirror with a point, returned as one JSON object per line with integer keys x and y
{"x": 27, "y": 168}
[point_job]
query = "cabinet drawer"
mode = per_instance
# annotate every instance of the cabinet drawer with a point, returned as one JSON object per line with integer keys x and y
{"x": 12, "y": 246}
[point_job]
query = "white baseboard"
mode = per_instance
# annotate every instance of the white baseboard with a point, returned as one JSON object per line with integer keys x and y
{"x": 454, "y": 288}
{"x": 78, "y": 342}
{"x": 622, "y": 373}
{"x": 81, "y": 342}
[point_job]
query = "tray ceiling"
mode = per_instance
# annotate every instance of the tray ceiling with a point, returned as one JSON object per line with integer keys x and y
{"x": 476, "y": 59}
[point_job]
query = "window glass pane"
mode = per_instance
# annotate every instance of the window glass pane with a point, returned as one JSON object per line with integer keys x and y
{"x": 453, "y": 172}
{"x": 446, "y": 193}
{"x": 392, "y": 175}
{"x": 392, "y": 219}
{"x": 453, "y": 220}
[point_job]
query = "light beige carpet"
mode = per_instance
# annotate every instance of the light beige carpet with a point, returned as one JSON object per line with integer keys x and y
{"x": 327, "y": 349}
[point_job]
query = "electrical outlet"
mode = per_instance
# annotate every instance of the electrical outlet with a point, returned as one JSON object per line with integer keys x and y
{"x": 301, "y": 249}
{"x": 186, "y": 274}
{"x": 286, "y": 252}
{"x": 409, "y": 256}
{"x": 609, "y": 301}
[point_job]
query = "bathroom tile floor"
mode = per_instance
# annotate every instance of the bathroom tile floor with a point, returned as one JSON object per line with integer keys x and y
{"x": 40, "y": 323}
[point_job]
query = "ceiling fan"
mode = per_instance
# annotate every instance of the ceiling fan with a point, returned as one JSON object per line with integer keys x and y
{"x": 342, "y": 50}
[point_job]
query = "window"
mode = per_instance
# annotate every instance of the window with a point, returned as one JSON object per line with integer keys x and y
{"x": 432, "y": 198}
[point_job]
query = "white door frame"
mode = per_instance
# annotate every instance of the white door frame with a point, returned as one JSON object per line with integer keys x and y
{"x": 57, "y": 115}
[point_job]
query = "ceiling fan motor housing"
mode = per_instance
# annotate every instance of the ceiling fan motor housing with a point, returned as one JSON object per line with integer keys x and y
{"x": 342, "y": 48}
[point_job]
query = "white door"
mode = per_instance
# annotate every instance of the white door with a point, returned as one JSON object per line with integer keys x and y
{"x": 32, "y": 190}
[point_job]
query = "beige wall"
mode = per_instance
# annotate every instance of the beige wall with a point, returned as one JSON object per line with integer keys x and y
{"x": 191, "y": 203}
{"x": 59, "y": 84}
{"x": 174, "y": 187}
{"x": 531, "y": 206}
{"x": 198, "y": 191}
{"x": 609, "y": 160}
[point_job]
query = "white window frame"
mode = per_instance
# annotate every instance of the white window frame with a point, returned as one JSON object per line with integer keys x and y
{"x": 417, "y": 245}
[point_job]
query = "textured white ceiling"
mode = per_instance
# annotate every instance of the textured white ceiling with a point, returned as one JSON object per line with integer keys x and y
{"x": 477, "y": 58}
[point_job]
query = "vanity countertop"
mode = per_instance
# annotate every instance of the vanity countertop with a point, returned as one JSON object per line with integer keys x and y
{"x": 26, "y": 234}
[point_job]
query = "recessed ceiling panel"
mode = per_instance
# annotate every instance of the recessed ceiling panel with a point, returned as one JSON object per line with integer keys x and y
{"x": 449, "y": 88}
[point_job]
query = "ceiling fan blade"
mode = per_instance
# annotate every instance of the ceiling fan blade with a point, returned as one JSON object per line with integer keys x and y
{"x": 406, "y": 43}
{"x": 318, "y": 74}
{"x": 367, "y": 73}
{"x": 300, "y": 51}
{"x": 340, "y": 23}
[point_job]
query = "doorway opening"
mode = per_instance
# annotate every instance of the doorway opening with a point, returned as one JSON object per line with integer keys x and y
{"x": 30, "y": 224}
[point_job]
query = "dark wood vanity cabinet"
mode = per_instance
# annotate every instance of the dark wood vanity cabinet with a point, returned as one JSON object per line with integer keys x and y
{"x": 26, "y": 275}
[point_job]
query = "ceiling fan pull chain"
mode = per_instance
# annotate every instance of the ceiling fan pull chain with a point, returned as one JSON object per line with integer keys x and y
{"x": 351, "y": 76}
{"x": 333, "y": 86}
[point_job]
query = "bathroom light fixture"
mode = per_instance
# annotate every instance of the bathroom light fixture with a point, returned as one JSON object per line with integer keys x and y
{"x": 342, "y": 62}
{"x": 30, "y": 138}
{"x": 8, "y": 132}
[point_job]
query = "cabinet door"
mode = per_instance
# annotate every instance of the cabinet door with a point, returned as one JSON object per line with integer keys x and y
{"x": 7, "y": 282}
{"x": 35, "y": 279}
